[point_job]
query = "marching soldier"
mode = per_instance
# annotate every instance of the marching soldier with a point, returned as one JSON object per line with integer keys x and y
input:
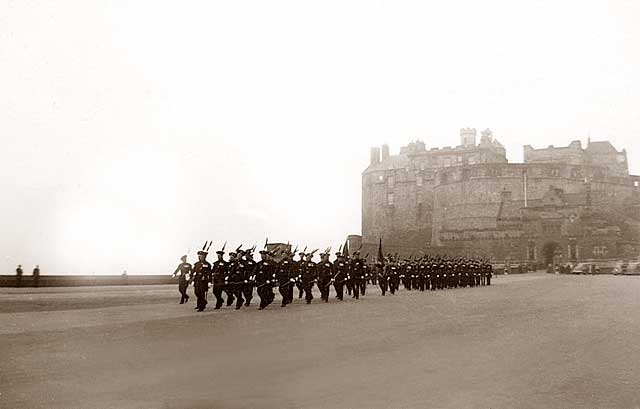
{"x": 324, "y": 272}
{"x": 247, "y": 288}
{"x": 356, "y": 274}
{"x": 489, "y": 268}
{"x": 393, "y": 275}
{"x": 286, "y": 277}
{"x": 309, "y": 277}
{"x": 381, "y": 277}
{"x": 366, "y": 275}
{"x": 264, "y": 272}
{"x": 229, "y": 288}
{"x": 339, "y": 275}
{"x": 300, "y": 266}
{"x": 422, "y": 275}
{"x": 238, "y": 278}
{"x": 201, "y": 274}
{"x": 184, "y": 269}
{"x": 219, "y": 271}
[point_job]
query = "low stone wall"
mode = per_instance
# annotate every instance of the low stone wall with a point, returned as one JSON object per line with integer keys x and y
{"x": 77, "y": 281}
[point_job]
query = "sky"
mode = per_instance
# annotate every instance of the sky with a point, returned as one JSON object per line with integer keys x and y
{"x": 131, "y": 132}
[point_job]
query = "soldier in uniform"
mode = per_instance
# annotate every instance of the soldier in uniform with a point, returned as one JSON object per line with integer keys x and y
{"x": 219, "y": 271}
{"x": 381, "y": 277}
{"x": 339, "y": 275}
{"x": 393, "y": 275}
{"x": 201, "y": 273}
{"x": 263, "y": 272}
{"x": 366, "y": 275}
{"x": 228, "y": 287}
{"x": 309, "y": 277}
{"x": 324, "y": 272}
{"x": 422, "y": 274}
{"x": 286, "y": 277}
{"x": 19, "y": 276}
{"x": 249, "y": 282}
{"x": 36, "y": 276}
{"x": 184, "y": 269}
{"x": 238, "y": 278}
{"x": 489, "y": 268}
{"x": 300, "y": 266}
{"x": 356, "y": 274}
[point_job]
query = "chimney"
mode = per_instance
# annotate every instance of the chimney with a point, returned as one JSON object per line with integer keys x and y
{"x": 385, "y": 152}
{"x": 375, "y": 156}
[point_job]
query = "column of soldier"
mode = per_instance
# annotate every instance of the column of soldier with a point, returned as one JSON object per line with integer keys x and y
{"x": 237, "y": 278}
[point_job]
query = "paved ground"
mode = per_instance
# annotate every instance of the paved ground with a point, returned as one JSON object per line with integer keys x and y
{"x": 529, "y": 341}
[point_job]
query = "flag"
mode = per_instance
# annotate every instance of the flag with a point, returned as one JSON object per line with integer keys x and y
{"x": 345, "y": 249}
{"x": 380, "y": 254}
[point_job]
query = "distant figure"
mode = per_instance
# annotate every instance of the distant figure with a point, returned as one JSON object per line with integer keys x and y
{"x": 19, "y": 276}
{"x": 184, "y": 269}
{"x": 36, "y": 276}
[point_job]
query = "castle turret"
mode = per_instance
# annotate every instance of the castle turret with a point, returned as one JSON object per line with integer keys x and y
{"x": 385, "y": 152}
{"x": 375, "y": 156}
{"x": 468, "y": 137}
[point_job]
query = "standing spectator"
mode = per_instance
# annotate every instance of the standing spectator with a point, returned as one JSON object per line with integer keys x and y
{"x": 36, "y": 276}
{"x": 19, "y": 276}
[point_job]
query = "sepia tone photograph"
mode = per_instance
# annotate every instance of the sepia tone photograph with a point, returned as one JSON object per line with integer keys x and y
{"x": 319, "y": 204}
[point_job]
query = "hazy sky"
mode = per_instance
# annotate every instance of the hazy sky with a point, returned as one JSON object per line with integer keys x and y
{"x": 133, "y": 131}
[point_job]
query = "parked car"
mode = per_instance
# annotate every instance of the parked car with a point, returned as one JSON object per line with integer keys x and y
{"x": 595, "y": 267}
{"x": 627, "y": 268}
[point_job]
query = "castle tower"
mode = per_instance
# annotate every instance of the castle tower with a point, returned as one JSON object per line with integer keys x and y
{"x": 468, "y": 137}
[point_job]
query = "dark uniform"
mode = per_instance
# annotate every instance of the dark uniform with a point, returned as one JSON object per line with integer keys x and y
{"x": 249, "y": 282}
{"x": 309, "y": 278}
{"x": 299, "y": 266}
{"x": 286, "y": 277}
{"x": 366, "y": 276}
{"x": 339, "y": 275}
{"x": 324, "y": 273}
{"x": 201, "y": 278}
{"x": 184, "y": 278}
{"x": 422, "y": 275}
{"x": 229, "y": 288}
{"x": 356, "y": 274}
{"x": 393, "y": 276}
{"x": 238, "y": 277}
{"x": 383, "y": 283}
{"x": 219, "y": 271}
{"x": 264, "y": 272}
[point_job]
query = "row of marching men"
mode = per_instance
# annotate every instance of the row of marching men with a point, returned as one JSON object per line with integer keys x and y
{"x": 235, "y": 280}
{"x": 434, "y": 273}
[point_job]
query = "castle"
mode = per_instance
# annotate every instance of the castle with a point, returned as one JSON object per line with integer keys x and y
{"x": 469, "y": 200}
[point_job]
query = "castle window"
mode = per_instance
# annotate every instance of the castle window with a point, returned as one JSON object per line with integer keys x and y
{"x": 390, "y": 182}
{"x": 600, "y": 250}
{"x": 380, "y": 178}
{"x": 421, "y": 165}
{"x": 390, "y": 199}
{"x": 419, "y": 180}
{"x": 636, "y": 183}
